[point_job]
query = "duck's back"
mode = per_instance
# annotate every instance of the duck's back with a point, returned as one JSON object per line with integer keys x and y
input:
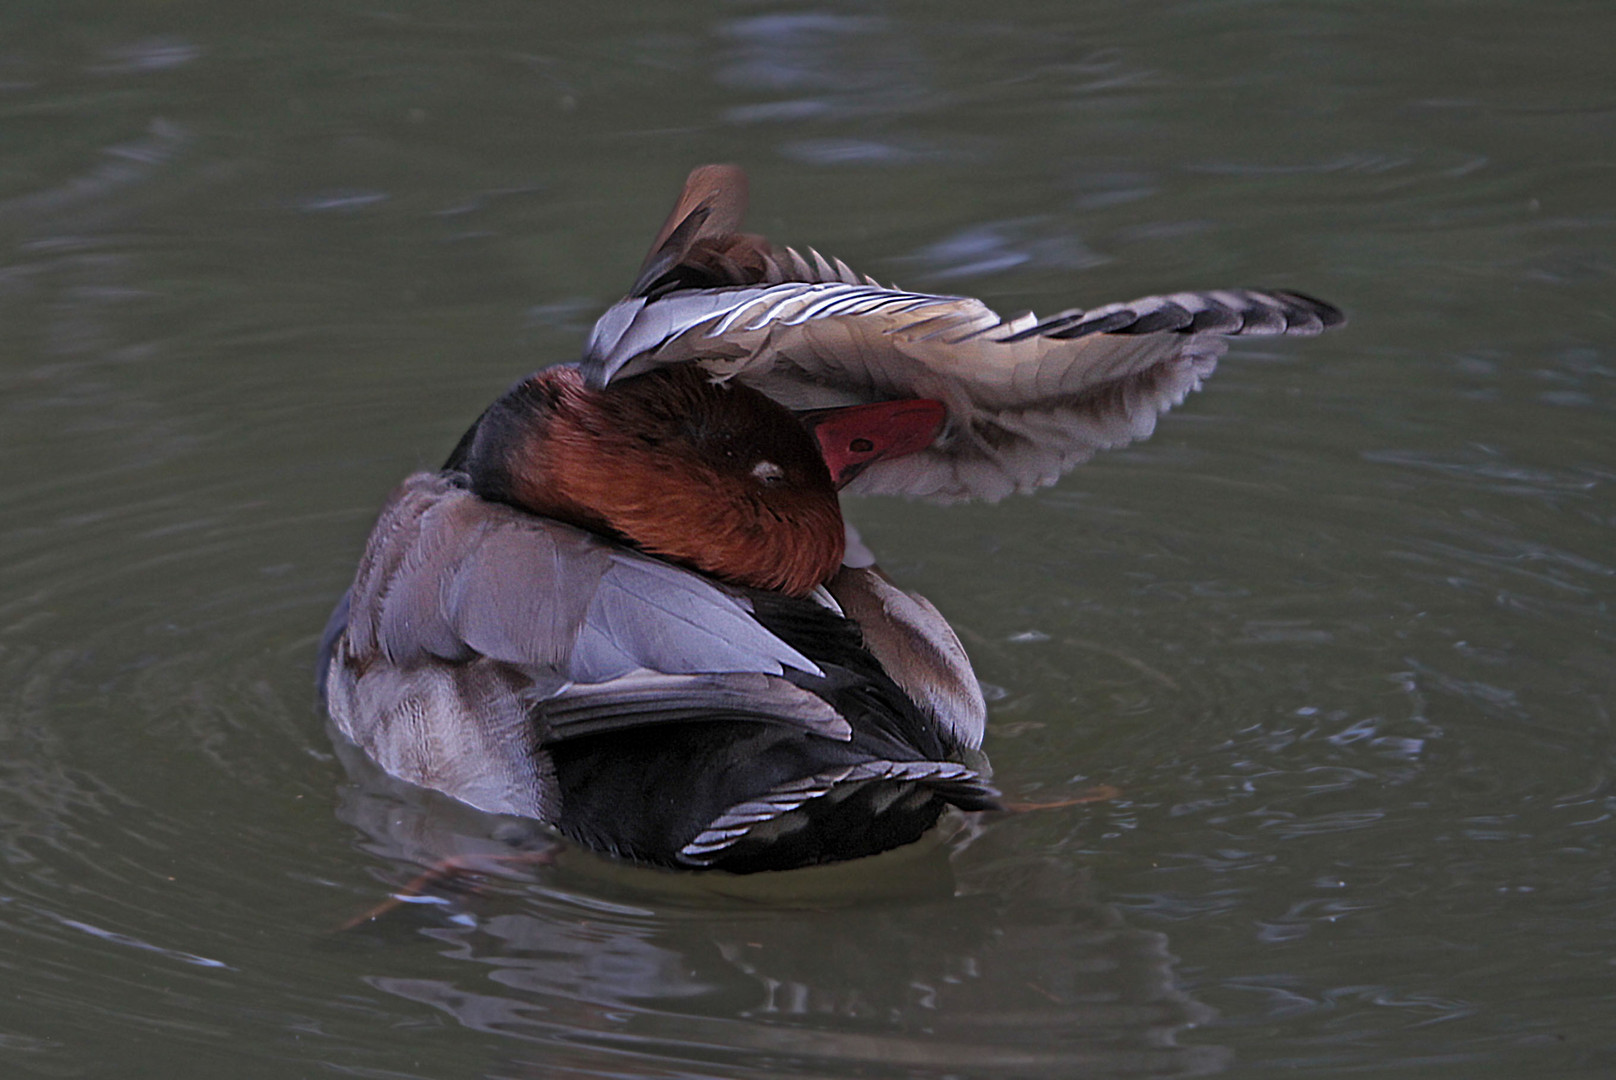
{"x": 531, "y": 668}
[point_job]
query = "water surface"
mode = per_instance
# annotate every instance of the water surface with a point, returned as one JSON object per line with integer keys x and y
{"x": 1340, "y": 634}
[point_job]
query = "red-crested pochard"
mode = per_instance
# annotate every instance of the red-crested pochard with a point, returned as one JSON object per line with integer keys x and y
{"x": 627, "y": 607}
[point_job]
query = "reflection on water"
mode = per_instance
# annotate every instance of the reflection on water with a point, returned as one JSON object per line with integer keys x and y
{"x": 892, "y": 966}
{"x": 91, "y": 199}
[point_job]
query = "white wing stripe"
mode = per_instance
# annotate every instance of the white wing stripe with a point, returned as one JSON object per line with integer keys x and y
{"x": 738, "y": 820}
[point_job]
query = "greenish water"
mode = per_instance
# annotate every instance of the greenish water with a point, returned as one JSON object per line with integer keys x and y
{"x": 1341, "y": 633}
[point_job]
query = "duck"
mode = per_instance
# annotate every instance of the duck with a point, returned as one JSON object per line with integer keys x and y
{"x": 628, "y": 605}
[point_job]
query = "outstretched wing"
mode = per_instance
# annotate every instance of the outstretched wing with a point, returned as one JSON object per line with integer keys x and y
{"x": 1027, "y": 398}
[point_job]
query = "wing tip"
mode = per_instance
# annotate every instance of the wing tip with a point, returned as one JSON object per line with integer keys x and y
{"x": 1308, "y": 315}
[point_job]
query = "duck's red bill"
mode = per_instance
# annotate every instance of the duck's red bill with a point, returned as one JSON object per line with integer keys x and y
{"x": 854, "y": 437}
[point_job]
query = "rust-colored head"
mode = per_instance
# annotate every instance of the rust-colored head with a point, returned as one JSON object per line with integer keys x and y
{"x": 717, "y": 477}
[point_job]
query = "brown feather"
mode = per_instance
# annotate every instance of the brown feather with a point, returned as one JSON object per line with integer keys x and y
{"x": 700, "y": 245}
{"x": 719, "y": 478}
{"x": 712, "y": 204}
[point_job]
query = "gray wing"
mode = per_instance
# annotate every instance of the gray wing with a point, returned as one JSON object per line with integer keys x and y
{"x": 469, "y": 621}
{"x": 1027, "y": 398}
{"x": 448, "y": 576}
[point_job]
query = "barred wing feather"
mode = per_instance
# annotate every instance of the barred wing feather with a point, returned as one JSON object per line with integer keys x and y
{"x": 1027, "y": 398}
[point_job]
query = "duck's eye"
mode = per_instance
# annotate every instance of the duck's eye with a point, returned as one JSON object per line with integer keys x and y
{"x": 768, "y": 473}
